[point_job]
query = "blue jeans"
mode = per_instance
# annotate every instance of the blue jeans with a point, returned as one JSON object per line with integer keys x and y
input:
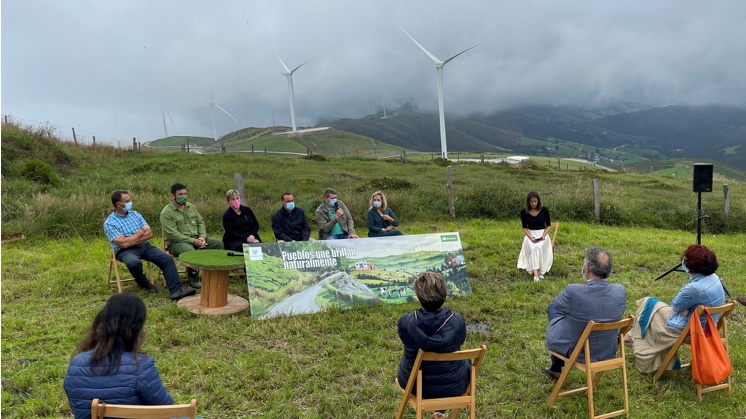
{"x": 557, "y": 363}
{"x": 132, "y": 256}
{"x": 340, "y": 236}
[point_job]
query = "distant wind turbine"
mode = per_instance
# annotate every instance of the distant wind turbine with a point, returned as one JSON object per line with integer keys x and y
{"x": 289, "y": 74}
{"x": 212, "y": 106}
{"x": 165, "y": 128}
{"x": 439, "y": 67}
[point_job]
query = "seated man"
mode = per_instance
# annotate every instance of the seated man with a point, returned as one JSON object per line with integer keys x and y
{"x": 289, "y": 222}
{"x": 570, "y": 312}
{"x": 185, "y": 229}
{"x": 129, "y": 233}
{"x": 335, "y": 221}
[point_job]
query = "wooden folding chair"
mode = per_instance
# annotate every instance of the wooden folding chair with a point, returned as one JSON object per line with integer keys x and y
{"x": 683, "y": 340}
{"x": 118, "y": 278}
{"x": 466, "y": 400}
{"x": 594, "y": 370}
{"x": 101, "y": 410}
{"x": 555, "y": 227}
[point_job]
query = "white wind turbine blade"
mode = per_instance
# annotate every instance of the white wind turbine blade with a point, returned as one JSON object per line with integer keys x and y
{"x": 226, "y": 112}
{"x": 209, "y": 104}
{"x": 432, "y": 57}
{"x": 291, "y": 73}
{"x": 287, "y": 70}
{"x": 472, "y": 47}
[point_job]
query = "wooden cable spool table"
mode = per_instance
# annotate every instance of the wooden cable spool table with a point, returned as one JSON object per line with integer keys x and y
{"x": 214, "y": 298}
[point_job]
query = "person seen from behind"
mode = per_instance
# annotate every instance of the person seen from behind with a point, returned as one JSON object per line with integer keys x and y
{"x": 433, "y": 328}
{"x": 109, "y": 365}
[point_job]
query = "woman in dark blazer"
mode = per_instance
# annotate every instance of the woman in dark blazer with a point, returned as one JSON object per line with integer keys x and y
{"x": 239, "y": 223}
{"x": 381, "y": 219}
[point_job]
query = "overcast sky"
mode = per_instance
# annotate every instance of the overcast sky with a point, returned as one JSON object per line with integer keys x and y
{"x": 107, "y": 68}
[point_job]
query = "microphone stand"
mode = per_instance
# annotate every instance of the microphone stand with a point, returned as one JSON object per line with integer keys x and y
{"x": 700, "y": 217}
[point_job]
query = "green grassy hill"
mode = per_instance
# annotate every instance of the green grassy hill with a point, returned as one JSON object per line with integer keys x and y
{"x": 342, "y": 363}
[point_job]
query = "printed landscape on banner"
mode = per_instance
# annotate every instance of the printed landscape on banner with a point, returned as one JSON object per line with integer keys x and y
{"x": 288, "y": 278}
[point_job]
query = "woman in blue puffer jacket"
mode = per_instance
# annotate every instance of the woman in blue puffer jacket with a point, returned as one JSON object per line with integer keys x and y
{"x": 109, "y": 365}
{"x": 434, "y": 328}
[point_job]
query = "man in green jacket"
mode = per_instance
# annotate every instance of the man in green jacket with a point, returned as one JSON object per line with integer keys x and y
{"x": 185, "y": 229}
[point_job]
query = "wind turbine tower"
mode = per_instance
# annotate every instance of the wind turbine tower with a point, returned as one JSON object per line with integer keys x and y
{"x": 439, "y": 67}
{"x": 165, "y": 128}
{"x": 289, "y": 75}
{"x": 212, "y": 106}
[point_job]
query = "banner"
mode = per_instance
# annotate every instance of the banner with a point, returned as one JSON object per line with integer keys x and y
{"x": 288, "y": 278}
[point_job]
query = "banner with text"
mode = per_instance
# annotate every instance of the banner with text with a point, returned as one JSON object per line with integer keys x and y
{"x": 288, "y": 278}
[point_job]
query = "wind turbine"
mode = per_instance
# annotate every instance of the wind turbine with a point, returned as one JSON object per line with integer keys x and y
{"x": 439, "y": 67}
{"x": 212, "y": 106}
{"x": 289, "y": 75}
{"x": 165, "y": 128}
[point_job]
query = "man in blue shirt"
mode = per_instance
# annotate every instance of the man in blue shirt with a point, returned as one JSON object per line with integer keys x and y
{"x": 128, "y": 234}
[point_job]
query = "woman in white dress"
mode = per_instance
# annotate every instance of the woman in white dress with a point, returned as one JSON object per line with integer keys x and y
{"x": 536, "y": 255}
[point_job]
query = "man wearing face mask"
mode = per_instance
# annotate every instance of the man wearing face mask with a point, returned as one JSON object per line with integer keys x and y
{"x": 289, "y": 222}
{"x": 128, "y": 234}
{"x": 184, "y": 229}
{"x": 596, "y": 300}
{"x": 335, "y": 221}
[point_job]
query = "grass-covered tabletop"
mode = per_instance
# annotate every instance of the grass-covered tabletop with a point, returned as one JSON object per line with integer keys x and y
{"x": 211, "y": 259}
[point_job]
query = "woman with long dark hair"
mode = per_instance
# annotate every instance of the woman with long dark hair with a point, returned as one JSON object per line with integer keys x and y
{"x": 109, "y": 365}
{"x": 536, "y": 255}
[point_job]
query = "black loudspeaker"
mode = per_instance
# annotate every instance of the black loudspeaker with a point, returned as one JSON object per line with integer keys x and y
{"x": 702, "y": 177}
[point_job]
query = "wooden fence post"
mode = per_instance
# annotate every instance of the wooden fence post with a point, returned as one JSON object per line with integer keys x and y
{"x": 596, "y": 200}
{"x": 134, "y": 144}
{"x": 375, "y": 153}
{"x": 265, "y": 151}
{"x": 238, "y": 181}
{"x": 482, "y": 156}
{"x": 343, "y": 152}
{"x": 449, "y": 191}
{"x": 252, "y": 150}
{"x": 6, "y": 119}
{"x": 432, "y": 157}
{"x": 94, "y": 140}
{"x": 726, "y": 200}
{"x": 401, "y": 157}
{"x": 75, "y": 137}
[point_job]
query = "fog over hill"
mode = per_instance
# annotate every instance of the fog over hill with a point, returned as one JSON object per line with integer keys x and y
{"x": 109, "y": 68}
{"x": 714, "y": 132}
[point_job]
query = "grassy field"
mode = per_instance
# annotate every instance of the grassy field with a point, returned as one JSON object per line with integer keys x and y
{"x": 341, "y": 363}
{"x": 344, "y": 360}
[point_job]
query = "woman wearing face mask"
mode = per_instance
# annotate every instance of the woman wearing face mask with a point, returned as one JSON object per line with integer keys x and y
{"x": 381, "y": 220}
{"x": 239, "y": 223}
{"x": 658, "y": 325}
{"x": 536, "y": 255}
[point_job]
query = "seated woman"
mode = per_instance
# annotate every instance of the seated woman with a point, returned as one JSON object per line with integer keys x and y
{"x": 109, "y": 365}
{"x": 434, "y": 328}
{"x": 658, "y": 325}
{"x": 536, "y": 255}
{"x": 239, "y": 223}
{"x": 381, "y": 220}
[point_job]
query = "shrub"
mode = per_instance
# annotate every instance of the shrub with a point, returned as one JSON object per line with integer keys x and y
{"x": 41, "y": 172}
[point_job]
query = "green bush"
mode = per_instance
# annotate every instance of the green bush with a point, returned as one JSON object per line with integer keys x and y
{"x": 41, "y": 172}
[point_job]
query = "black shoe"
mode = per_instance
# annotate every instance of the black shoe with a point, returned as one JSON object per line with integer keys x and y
{"x": 551, "y": 374}
{"x": 150, "y": 287}
{"x": 184, "y": 292}
{"x": 741, "y": 299}
{"x": 194, "y": 281}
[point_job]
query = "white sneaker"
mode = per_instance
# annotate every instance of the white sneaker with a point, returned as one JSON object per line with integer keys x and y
{"x": 536, "y": 279}
{"x": 541, "y": 276}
